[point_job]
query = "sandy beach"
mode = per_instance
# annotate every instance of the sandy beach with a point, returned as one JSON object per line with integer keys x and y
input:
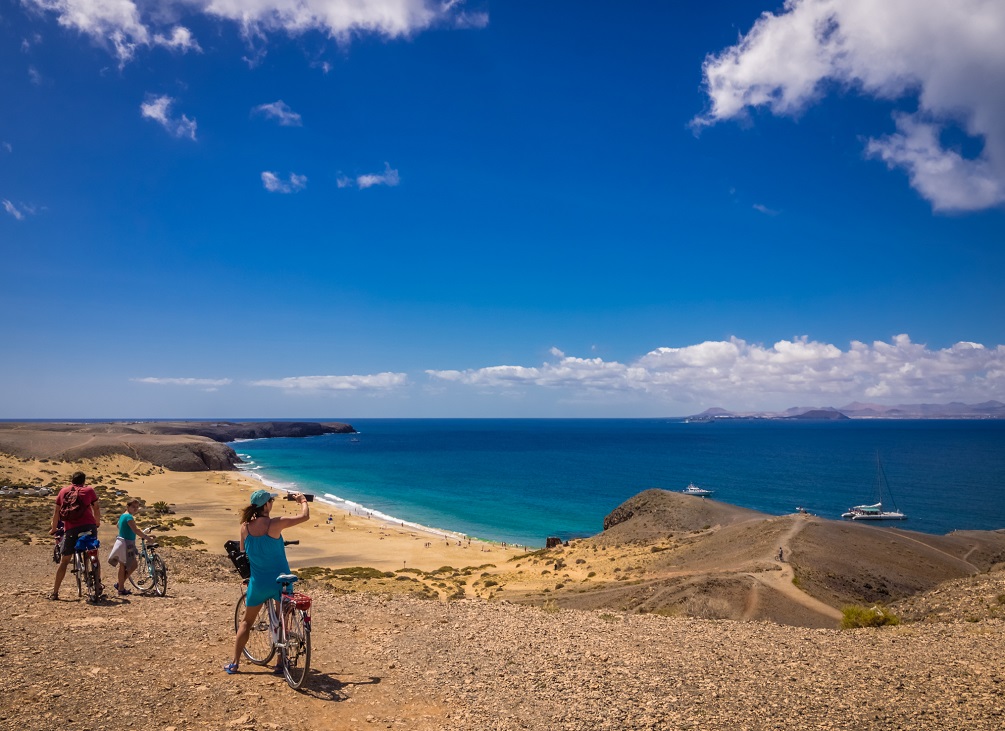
{"x": 214, "y": 500}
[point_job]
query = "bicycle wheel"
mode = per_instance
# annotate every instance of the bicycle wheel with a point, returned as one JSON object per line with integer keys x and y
{"x": 259, "y": 648}
{"x": 297, "y": 655}
{"x": 143, "y": 577}
{"x": 78, "y": 571}
{"x": 160, "y": 577}
{"x": 93, "y": 582}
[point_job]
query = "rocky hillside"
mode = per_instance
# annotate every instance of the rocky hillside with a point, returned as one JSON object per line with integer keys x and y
{"x": 180, "y": 446}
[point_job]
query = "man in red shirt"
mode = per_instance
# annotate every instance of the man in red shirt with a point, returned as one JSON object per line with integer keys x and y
{"x": 87, "y": 518}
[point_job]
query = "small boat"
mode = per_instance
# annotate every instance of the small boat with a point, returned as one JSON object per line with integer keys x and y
{"x": 693, "y": 489}
{"x": 876, "y": 511}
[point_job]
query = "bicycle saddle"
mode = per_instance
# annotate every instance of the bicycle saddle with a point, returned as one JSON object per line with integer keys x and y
{"x": 286, "y": 578}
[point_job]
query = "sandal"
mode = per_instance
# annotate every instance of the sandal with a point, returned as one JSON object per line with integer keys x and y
{"x": 279, "y": 670}
{"x": 53, "y": 596}
{"x": 124, "y": 592}
{"x": 231, "y": 669}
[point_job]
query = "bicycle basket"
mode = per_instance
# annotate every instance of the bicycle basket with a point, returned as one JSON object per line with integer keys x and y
{"x": 239, "y": 558}
{"x": 301, "y": 600}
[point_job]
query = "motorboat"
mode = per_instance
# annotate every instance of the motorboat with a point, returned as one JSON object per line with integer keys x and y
{"x": 693, "y": 489}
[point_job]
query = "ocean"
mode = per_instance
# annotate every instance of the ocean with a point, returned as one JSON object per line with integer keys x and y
{"x": 522, "y": 480}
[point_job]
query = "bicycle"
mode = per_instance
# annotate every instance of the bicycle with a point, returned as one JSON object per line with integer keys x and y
{"x": 57, "y": 549}
{"x": 150, "y": 576}
{"x": 85, "y": 566}
{"x": 285, "y": 628}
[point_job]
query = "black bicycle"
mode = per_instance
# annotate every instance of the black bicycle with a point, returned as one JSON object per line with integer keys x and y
{"x": 85, "y": 566}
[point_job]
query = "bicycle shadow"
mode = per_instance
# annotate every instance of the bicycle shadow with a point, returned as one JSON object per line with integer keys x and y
{"x": 326, "y": 687}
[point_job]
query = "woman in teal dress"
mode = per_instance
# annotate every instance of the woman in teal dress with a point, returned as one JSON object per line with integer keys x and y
{"x": 262, "y": 540}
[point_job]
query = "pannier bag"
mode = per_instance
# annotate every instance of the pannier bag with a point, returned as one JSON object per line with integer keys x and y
{"x": 239, "y": 558}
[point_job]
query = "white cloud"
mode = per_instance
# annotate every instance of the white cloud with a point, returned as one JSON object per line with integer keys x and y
{"x": 389, "y": 178}
{"x": 13, "y": 210}
{"x": 124, "y": 26}
{"x": 181, "y": 39}
{"x": 760, "y": 208}
{"x": 745, "y": 375}
{"x": 18, "y": 210}
{"x": 372, "y": 383}
{"x": 281, "y": 112}
{"x": 114, "y": 23}
{"x": 274, "y": 184}
{"x": 8, "y": 147}
{"x": 158, "y": 108}
{"x": 205, "y": 383}
{"x": 35, "y": 76}
{"x": 947, "y": 55}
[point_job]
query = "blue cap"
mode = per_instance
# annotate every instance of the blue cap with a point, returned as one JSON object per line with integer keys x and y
{"x": 260, "y": 497}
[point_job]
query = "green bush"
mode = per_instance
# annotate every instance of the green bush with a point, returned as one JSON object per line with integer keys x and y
{"x": 874, "y": 616}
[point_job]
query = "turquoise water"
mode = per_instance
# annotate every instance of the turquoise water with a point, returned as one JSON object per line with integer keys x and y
{"x": 521, "y": 480}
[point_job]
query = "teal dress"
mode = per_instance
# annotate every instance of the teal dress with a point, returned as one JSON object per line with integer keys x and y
{"x": 267, "y": 556}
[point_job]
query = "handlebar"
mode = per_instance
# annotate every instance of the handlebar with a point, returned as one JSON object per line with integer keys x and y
{"x": 291, "y": 543}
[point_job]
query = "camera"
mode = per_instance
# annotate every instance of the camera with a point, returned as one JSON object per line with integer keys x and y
{"x": 292, "y": 496}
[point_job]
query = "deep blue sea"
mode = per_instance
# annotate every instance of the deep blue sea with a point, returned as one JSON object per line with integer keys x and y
{"x": 521, "y": 480}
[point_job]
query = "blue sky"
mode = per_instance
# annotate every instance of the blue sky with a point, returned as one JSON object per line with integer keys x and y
{"x": 326, "y": 209}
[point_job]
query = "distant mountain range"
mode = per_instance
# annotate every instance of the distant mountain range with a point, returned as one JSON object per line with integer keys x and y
{"x": 858, "y": 410}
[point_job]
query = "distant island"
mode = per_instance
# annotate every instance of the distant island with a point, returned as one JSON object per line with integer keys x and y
{"x": 858, "y": 410}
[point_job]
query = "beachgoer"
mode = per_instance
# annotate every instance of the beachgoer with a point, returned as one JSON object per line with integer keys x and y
{"x": 781, "y": 554}
{"x": 123, "y": 553}
{"x": 86, "y": 517}
{"x": 262, "y": 540}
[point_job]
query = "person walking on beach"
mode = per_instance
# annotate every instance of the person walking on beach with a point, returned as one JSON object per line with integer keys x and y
{"x": 78, "y": 508}
{"x": 262, "y": 541}
{"x": 124, "y": 549}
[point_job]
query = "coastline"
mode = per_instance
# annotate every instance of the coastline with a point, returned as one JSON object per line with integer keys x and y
{"x": 213, "y": 501}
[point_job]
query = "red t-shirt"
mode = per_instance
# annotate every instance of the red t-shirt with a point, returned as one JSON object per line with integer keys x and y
{"x": 87, "y": 497}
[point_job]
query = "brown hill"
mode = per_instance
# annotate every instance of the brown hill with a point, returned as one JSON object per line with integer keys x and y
{"x": 667, "y": 553}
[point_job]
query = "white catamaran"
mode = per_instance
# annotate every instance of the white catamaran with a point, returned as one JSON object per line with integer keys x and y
{"x": 876, "y": 511}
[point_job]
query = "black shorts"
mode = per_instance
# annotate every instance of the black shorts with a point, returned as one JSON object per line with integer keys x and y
{"x": 71, "y": 536}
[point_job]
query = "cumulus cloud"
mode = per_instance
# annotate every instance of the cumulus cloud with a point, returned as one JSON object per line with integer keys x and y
{"x": 737, "y": 372}
{"x": 389, "y": 178}
{"x": 944, "y": 56}
{"x": 205, "y": 384}
{"x": 279, "y": 111}
{"x": 367, "y": 383}
{"x": 275, "y": 184}
{"x": 158, "y": 108}
{"x": 124, "y": 26}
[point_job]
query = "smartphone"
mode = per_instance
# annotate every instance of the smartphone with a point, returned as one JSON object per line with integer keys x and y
{"x": 289, "y": 496}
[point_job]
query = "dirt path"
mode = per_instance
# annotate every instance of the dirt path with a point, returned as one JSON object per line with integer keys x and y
{"x": 973, "y": 570}
{"x": 782, "y": 580}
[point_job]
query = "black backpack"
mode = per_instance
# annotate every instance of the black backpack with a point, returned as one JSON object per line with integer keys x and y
{"x": 72, "y": 508}
{"x": 239, "y": 558}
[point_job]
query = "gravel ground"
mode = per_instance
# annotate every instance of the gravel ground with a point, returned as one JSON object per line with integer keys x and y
{"x": 407, "y": 663}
